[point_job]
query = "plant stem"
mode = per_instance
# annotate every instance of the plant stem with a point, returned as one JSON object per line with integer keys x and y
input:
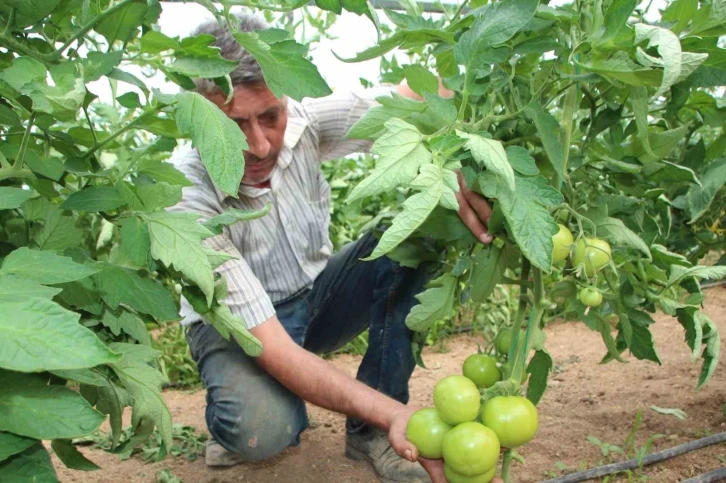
{"x": 507, "y": 464}
{"x": 127, "y": 127}
{"x": 24, "y": 143}
{"x": 465, "y": 98}
{"x": 90, "y": 124}
{"x": 11, "y": 22}
{"x": 458, "y": 11}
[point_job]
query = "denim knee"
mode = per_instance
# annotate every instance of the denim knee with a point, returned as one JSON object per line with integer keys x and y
{"x": 259, "y": 429}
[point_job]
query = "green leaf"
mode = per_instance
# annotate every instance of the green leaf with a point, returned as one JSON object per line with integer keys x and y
{"x": 206, "y": 67}
{"x": 123, "y": 23}
{"x": 539, "y": 368}
{"x": 691, "y": 320}
{"x": 501, "y": 21}
{"x": 219, "y": 140}
{"x": 617, "y": 16}
{"x": 71, "y": 457}
{"x": 134, "y": 242}
{"x": 11, "y": 198}
{"x": 129, "y": 323}
{"x": 234, "y": 215}
{"x": 130, "y": 100}
{"x": 225, "y": 322}
{"x": 176, "y": 240}
{"x": 639, "y": 103}
{"x": 153, "y": 42}
{"x": 548, "y": 130}
{"x": 711, "y": 352}
{"x": 661, "y": 144}
{"x": 123, "y": 286}
{"x": 372, "y": 124}
{"x": 37, "y": 334}
{"x": 59, "y": 231}
{"x": 162, "y": 172}
{"x": 123, "y": 76}
{"x": 30, "y": 407}
{"x": 679, "y": 273}
{"x": 99, "y": 64}
{"x": 444, "y": 224}
{"x": 621, "y": 68}
{"x": 44, "y": 267}
{"x": 112, "y": 400}
{"x": 665, "y": 258}
{"x": 23, "y": 72}
{"x": 420, "y": 79}
{"x": 17, "y": 286}
{"x": 32, "y": 465}
{"x": 489, "y": 266}
{"x": 521, "y": 161}
{"x": 615, "y": 231}
{"x": 29, "y": 12}
{"x": 699, "y": 198}
{"x": 401, "y": 153}
{"x": 642, "y": 345}
{"x": 8, "y": 117}
{"x": 158, "y": 195}
{"x": 681, "y": 12}
{"x": 143, "y": 383}
{"x": 415, "y": 211}
{"x": 11, "y": 444}
{"x": 530, "y": 222}
{"x": 676, "y": 412}
{"x": 491, "y": 154}
{"x": 90, "y": 377}
{"x": 329, "y": 5}
{"x": 435, "y": 303}
{"x": 669, "y": 48}
{"x": 286, "y": 69}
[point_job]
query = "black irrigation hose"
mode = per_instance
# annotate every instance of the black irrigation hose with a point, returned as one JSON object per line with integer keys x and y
{"x": 710, "y": 477}
{"x": 649, "y": 460}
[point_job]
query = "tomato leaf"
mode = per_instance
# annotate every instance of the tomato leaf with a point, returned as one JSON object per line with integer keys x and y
{"x": 286, "y": 69}
{"x": 43, "y": 267}
{"x": 30, "y": 407}
{"x": 489, "y": 266}
{"x": 11, "y": 444}
{"x": 435, "y": 303}
{"x": 33, "y": 464}
{"x": 539, "y": 369}
{"x": 38, "y": 334}
{"x": 669, "y": 48}
{"x": 548, "y": 130}
{"x": 226, "y": 323}
{"x": 71, "y": 457}
{"x": 11, "y": 198}
{"x": 401, "y": 152}
{"x": 491, "y": 154}
{"x": 143, "y": 383}
{"x": 615, "y": 231}
{"x": 699, "y": 198}
{"x": 218, "y": 138}
{"x": 120, "y": 285}
{"x": 127, "y": 322}
{"x": 616, "y": 16}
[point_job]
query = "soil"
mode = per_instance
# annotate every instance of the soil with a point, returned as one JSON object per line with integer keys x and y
{"x": 585, "y": 398}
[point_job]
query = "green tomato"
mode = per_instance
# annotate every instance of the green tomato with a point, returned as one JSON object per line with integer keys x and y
{"x": 503, "y": 341}
{"x": 426, "y": 430}
{"x": 457, "y": 399}
{"x": 562, "y": 241}
{"x": 590, "y": 296}
{"x": 514, "y": 419}
{"x": 593, "y": 253}
{"x": 454, "y": 477}
{"x": 482, "y": 370}
{"x": 471, "y": 449}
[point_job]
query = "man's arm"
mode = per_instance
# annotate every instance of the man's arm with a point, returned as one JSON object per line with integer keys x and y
{"x": 322, "y": 384}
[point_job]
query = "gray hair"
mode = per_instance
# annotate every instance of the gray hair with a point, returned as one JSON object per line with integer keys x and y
{"x": 248, "y": 72}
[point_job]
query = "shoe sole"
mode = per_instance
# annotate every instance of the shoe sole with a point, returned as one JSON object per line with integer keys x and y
{"x": 358, "y": 455}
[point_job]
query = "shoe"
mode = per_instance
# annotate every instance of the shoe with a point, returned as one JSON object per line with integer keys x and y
{"x": 372, "y": 446}
{"x": 216, "y": 456}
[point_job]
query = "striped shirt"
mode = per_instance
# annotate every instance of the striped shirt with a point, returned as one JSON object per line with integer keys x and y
{"x": 282, "y": 253}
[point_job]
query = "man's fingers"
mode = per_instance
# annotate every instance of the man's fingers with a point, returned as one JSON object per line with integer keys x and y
{"x": 471, "y": 219}
{"x": 480, "y": 205}
{"x": 435, "y": 469}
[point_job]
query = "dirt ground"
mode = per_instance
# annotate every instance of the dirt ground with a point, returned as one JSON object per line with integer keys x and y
{"x": 584, "y": 399}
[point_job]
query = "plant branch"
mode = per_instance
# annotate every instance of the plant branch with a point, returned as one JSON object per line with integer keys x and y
{"x": 127, "y": 127}
{"x": 507, "y": 464}
{"x": 11, "y": 22}
{"x": 24, "y": 143}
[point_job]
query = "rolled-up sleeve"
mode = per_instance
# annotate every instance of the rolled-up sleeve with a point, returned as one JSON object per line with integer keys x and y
{"x": 246, "y": 298}
{"x": 335, "y": 114}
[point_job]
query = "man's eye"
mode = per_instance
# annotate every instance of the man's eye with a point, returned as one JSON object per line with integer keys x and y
{"x": 269, "y": 118}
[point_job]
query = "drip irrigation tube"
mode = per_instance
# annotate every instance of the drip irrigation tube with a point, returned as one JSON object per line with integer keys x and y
{"x": 719, "y": 475}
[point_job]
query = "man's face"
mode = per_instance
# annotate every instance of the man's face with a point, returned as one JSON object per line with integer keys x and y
{"x": 263, "y": 119}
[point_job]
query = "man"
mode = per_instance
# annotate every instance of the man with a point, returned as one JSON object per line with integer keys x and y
{"x": 294, "y": 295}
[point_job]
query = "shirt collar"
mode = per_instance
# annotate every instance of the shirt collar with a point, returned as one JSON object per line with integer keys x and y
{"x": 293, "y": 132}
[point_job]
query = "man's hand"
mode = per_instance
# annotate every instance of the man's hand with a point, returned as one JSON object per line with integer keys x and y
{"x": 405, "y": 449}
{"x": 474, "y": 210}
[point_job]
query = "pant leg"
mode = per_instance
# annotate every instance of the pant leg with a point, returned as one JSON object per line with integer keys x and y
{"x": 351, "y": 295}
{"x": 248, "y": 411}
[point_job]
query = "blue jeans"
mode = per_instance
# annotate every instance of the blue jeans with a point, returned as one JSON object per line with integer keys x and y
{"x": 249, "y": 412}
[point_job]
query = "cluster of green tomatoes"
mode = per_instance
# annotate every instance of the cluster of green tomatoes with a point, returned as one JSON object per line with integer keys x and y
{"x": 467, "y": 434}
{"x": 590, "y": 255}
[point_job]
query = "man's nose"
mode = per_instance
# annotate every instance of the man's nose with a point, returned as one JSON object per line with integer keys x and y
{"x": 258, "y": 144}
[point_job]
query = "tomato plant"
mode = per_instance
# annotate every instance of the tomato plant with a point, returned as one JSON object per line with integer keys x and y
{"x": 426, "y": 429}
{"x": 592, "y": 254}
{"x": 482, "y": 370}
{"x": 457, "y": 399}
{"x": 471, "y": 449}
{"x": 514, "y": 419}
